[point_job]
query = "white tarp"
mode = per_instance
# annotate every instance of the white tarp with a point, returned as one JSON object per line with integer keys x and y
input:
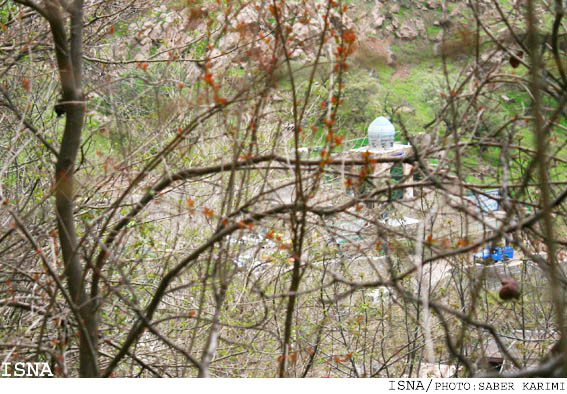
{"x": 399, "y": 222}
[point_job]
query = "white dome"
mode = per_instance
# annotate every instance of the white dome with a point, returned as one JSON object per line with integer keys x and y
{"x": 381, "y": 134}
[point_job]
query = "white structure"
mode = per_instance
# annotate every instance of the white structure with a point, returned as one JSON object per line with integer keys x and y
{"x": 400, "y": 222}
{"x": 381, "y": 145}
{"x": 381, "y": 293}
{"x": 381, "y": 134}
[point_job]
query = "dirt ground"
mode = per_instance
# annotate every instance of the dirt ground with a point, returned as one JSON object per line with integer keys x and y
{"x": 402, "y": 71}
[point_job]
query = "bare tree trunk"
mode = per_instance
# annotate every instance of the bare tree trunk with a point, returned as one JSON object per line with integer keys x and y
{"x": 69, "y": 61}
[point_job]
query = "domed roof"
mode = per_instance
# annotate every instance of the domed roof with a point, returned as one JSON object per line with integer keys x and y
{"x": 381, "y": 127}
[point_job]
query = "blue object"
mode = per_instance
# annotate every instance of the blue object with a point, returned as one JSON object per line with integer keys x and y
{"x": 509, "y": 252}
{"x": 496, "y": 254}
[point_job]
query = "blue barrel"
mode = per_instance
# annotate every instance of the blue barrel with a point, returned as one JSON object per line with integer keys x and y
{"x": 509, "y": 252}
{"x": 497, "y": 254}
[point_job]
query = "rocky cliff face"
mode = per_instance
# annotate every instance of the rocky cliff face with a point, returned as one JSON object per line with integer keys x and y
{"x": 384, "y": 29}
{"x": 383, "y": 23}
{"x": 419, "y": 25}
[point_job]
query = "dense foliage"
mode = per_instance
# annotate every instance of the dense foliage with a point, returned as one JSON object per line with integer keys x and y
{"x": 181, "y": 195}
